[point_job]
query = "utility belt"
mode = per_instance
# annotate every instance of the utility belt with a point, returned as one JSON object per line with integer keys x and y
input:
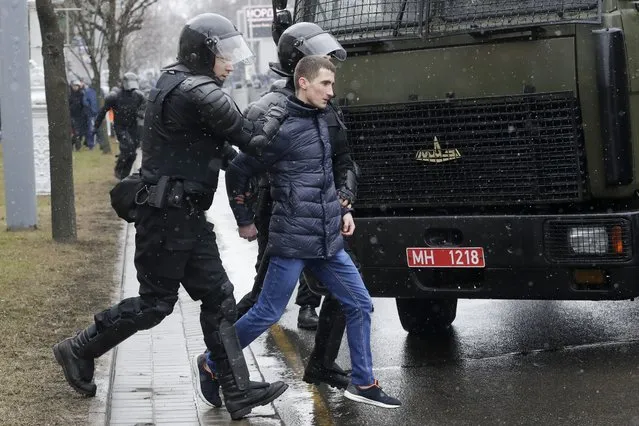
{"x": 132, "y": 192}
{"x": 171, "y": 193}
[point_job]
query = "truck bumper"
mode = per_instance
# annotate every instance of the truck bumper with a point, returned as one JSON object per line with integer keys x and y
{"x": 527, "y": 257}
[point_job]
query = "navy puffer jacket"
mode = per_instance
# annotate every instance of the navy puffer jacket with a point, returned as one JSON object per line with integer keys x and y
{"x": 306, "y": 212}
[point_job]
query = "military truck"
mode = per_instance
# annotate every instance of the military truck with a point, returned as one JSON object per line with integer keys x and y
{"x": 497, "y": 142}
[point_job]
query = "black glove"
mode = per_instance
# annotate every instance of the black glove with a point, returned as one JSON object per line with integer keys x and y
{"x": 349, "y": 187}
{"x": 271, "y": 123}
{"x": 346, "y": 194}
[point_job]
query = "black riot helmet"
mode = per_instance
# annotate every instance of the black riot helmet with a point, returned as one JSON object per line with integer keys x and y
{"x": 209, "y": 35}
{"x": 130, "y": 81}
{"x": 303, "y": 39}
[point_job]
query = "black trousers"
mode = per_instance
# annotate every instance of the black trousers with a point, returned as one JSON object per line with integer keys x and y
{"x": 173, "y": 246}
{"x": 129, "y": 142}
{"x": 79, "y": 127}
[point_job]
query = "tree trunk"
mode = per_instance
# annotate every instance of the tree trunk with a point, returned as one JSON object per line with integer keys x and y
{"x": 101, "y": 134}
{"x": 114, "y": 61}
{"x": 114, "y": 51}
{"x": 114, "y": 57}
{"x": 63, "y": 219}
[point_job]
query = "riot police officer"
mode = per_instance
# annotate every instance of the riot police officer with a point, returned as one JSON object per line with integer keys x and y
{"x": 295, "y": 42}
{"x": 188, "y": 119}
{"x": 127, "y": 103}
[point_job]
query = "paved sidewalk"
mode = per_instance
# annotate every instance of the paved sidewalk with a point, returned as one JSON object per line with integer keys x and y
{"x": 151, "y": 380}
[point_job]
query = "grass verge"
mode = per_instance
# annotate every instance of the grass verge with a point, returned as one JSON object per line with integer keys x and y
{"x": 48, "y": 290}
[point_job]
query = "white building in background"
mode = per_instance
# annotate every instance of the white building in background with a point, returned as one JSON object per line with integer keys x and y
{"x": 38, "y": 105}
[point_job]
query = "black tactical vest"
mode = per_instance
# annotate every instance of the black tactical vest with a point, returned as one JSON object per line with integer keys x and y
{"x": 176, "y": 143}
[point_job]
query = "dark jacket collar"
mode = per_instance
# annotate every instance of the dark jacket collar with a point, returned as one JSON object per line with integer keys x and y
{"x": 297, "y": 108}
{"x": 180, "y": 67}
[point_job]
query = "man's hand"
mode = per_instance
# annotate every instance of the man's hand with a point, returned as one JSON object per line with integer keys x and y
{"x": 248, "y": 232}
{"x": 348, "y": 225}
{"x": 345, "y": 203}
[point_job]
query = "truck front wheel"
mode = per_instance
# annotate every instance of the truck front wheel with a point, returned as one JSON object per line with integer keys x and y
{"x": 420, "y": 316}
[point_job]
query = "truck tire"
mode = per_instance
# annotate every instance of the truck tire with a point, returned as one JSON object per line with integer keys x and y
{"x": 423, "y": 316}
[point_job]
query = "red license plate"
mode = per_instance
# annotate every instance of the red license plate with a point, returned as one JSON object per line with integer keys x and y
{"x": 457, "y": 257}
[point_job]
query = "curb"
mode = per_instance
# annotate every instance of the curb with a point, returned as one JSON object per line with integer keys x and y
{"x": 100, "y": 410}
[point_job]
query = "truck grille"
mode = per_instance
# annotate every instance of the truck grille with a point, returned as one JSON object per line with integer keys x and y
{"x": 520, "y": 150}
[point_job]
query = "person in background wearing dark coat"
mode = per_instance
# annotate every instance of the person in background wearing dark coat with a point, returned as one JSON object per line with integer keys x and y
{"x": 91, "y": 107}
{"x": 78, "y": 111}
{"x": 307, "y": 224}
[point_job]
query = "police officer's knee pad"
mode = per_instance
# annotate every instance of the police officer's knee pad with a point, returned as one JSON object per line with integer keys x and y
{"x": 222, "y": 301}
{"x": 154, "y": 312}
{"x": 228, "y": 309}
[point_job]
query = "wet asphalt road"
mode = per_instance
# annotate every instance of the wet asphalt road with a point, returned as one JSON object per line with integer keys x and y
{"x": 503, "y": 362}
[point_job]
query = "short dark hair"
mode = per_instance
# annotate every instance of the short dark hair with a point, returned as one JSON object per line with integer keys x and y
{"x": 310, "y": 66}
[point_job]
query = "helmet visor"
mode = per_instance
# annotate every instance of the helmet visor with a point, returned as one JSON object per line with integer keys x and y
{"x": 321, "y": 44}
{"x": 234, "y": 49}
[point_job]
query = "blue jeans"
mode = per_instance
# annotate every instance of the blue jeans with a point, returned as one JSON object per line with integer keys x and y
{"x": 341, "y": 278}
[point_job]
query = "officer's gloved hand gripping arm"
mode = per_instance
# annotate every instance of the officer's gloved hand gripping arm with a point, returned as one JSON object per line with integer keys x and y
{"x": 227, "y": 154}
{"x": 220, "y": 114}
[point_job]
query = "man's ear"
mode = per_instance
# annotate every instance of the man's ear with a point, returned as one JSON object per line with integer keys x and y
{"x": 302, "y": 83}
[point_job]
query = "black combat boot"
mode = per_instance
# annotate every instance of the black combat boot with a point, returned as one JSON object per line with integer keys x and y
{"x": 307, "y": 318}
{"x": 76, "y": 354}
{"x": 78, "y": 366}
{"x": 239, "y": 402}
{"x": 316, "y": 372}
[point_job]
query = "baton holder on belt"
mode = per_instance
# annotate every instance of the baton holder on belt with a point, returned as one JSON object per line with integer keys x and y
{"x": 157, "y": 193}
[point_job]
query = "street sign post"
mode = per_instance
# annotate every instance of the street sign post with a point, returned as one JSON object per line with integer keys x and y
{"x": 17, "y": 126}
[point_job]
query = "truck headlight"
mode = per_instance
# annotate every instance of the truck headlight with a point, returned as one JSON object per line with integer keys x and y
{"x": 588, "y": 239}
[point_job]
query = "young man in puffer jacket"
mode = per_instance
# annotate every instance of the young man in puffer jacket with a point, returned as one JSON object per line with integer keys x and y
{"x": 307, "y": 225}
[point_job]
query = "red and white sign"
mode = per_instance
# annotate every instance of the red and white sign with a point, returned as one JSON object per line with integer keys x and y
{"x": 255, "y": 14}
{"x": 453, "y": 257}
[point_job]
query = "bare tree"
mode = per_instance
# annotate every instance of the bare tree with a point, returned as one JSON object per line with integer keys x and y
{"x": 92, "y": 45}
{"x": 161, "y": 29}
{"x": 119, "y": 25}
{"x": 63, "y": 218}
{"x": 104, "y": 26}
{"x": 158, "y": 37}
